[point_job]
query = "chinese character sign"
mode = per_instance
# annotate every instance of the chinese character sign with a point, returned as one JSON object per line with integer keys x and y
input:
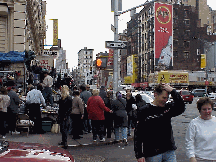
{"x": 163, "y": 36}
{"x": 110, "y": 58}
{"x": 203, "y": 61}
{"x": 55, "y": 32}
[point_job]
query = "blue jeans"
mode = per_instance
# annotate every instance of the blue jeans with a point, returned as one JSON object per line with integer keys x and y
{"x": 47, "y": 94}
{"x": 123, "y": 132}
{"x": 129, "y": 126}
{"x": 168, "y": 156}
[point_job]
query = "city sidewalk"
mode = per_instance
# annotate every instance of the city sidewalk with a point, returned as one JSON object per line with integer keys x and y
{"x": 53, "y": 139}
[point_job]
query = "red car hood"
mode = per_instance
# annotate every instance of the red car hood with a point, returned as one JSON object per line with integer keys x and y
{"x": 34, "y": 152}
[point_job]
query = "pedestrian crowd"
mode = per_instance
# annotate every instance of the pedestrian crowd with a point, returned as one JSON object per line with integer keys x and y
{"x": 96, "y": 112}
{"x": 82, "y": 111}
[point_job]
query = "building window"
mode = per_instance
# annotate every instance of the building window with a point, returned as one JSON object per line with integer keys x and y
{"x": 187, "y": 33}
{"x": 175, "y": 32}
{"x": 186, "y": 55}
{"x": 186, "y": 13}
{"x": 187, "y": 22}
{"x": 175, "y": 54}
{"x": 175, "y": 43}
{"x": 175, "y": 12}
{"x": 187, "y": 44}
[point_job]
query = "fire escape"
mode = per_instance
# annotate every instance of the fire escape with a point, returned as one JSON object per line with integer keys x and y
{"x": 36, "y": 23}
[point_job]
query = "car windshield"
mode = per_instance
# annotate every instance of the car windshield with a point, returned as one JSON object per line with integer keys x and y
{"x": 185, "y": 93}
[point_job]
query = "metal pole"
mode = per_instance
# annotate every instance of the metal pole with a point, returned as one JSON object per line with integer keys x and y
{"x": 115, "y": 59}
{"x": 206, "y": 86}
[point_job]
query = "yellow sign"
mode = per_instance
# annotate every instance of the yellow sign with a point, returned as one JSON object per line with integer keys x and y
{"x": 173, "y": 77}
{"x": 203, "y": 61}
{"x": 132, "y": 70}
{"x": 55, "y": 32}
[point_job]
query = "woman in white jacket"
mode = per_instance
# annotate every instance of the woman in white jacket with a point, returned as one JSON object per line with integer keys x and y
{"x": 201, "y": 134}
{"x": 4, "y": 103}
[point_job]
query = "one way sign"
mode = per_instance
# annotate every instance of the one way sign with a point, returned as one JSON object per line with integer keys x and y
{"x": 112, "y": 44}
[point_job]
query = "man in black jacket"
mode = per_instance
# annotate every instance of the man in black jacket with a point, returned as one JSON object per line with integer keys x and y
{"x": 153, "y": 136}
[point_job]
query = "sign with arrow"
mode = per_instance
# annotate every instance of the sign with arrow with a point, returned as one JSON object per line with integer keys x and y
{"x": 112, "y": 44}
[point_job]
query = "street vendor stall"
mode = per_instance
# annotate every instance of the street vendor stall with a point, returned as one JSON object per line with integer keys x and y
{"x": 50, "y": 112}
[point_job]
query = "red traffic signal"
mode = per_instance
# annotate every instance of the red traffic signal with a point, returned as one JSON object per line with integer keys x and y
{"x": 101, "y": 62}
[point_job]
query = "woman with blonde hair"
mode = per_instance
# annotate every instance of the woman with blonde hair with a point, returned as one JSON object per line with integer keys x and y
{"x": 95, "y": 109}
{"x": 65, "y": 107}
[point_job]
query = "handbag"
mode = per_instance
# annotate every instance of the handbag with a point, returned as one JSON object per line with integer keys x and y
{"x": 55, "y": 128}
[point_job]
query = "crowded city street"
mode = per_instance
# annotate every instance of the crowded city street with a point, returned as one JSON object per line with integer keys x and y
{"x": 85, "y": 150}
{"x": 108, "y": 81}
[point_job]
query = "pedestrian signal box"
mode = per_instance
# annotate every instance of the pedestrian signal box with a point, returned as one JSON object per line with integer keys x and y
{"x": 101, "y": 62}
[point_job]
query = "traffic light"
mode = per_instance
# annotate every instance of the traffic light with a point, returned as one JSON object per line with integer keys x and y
{"x": 101, "y": 62}
{"x": 29, "y": 55}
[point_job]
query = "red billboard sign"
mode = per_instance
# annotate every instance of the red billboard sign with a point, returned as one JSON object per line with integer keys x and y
{"x": 163, "y": 36}
{"x": 110, "y": 57}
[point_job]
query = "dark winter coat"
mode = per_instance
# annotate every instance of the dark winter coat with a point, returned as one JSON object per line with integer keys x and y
{"x": 108, "y": 103}
{"x": 153, "y": 134}
{"x": 129, "y": 108}
{"x": 14, "y": 102}
{"x": 103, "y": 94}
{"x": 120, "y": 113}
{"x": 65, "y": 108}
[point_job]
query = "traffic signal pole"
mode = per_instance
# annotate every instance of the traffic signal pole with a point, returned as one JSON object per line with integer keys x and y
{"x": 115, "y": 57}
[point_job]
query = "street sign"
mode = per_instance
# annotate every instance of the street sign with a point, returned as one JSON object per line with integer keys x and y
{"x": 112, "y": 44}
{"x": 113, "y": 28}
{"x": 45, "y": 52}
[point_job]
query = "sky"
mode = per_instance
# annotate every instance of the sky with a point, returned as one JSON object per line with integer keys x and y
{"x": 87, "y": 23}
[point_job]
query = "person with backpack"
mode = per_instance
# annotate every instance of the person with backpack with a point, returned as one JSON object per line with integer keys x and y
{"x": 120, "y": 118}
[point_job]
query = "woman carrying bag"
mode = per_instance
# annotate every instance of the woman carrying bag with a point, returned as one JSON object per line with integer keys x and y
{"x": 65, "y": 107}
{"x": 77, "y": 115}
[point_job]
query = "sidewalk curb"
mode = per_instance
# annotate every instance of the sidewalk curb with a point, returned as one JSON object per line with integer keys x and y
{"x": 96, "y": 143}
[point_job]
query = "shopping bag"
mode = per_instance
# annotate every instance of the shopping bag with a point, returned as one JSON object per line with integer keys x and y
{"x": 55, "y": 128}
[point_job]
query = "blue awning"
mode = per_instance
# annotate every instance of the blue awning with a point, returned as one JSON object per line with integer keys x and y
{"x": 12, "y": 56}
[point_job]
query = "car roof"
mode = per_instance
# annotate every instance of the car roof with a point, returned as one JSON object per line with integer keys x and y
{"x": 145, "y": 97}
{"x": 35, "y": 152}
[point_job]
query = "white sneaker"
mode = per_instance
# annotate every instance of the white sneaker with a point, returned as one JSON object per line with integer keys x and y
{"x": 102, "y": 140}
{"x": 125, "y": 142}
{"x": 17, "y": 132}
{"x": 94, "y": 140}
{"x": 3, "y": 137}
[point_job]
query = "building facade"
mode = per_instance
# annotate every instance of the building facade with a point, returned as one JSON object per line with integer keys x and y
{"x": 85, "y": 65}
{"x": 190, "y": 32}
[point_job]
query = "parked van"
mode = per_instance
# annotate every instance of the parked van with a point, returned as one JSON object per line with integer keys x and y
{"x": 199, "y": 92}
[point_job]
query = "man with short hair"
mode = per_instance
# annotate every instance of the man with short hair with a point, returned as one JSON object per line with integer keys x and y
{"x": 47, "y": 85}
{"x": 33, "y": 100}
{"x": 153, "y": 136}
{"x": 103, "y": 93}
{"x": 85, "y": 95}
{"x": 13, "y": 109}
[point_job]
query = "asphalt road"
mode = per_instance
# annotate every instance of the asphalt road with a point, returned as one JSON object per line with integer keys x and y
{"x": 121, "y": 153}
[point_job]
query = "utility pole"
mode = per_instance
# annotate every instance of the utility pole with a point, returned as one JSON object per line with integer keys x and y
{"x": 116, "y": 41}
{"x": 115, "y": 57}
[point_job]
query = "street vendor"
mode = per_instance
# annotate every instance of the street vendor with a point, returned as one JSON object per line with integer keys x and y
{"x": 47, "y": 85}
{"x": 33, "y": 100}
